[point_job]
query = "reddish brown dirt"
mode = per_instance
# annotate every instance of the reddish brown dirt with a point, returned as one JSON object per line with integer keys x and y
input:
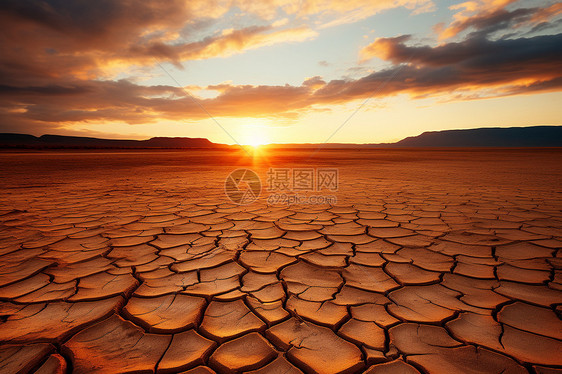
{"x": 432, "y": 261}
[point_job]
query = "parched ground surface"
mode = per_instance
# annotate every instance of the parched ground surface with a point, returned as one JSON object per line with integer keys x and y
{"x": 431, "y": 262}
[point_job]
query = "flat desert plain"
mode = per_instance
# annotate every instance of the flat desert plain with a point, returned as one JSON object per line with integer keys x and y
{"x": 432, "y": 261}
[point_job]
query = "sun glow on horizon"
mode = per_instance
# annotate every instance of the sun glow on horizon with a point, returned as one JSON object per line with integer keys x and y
{"x": 255, "y": 136}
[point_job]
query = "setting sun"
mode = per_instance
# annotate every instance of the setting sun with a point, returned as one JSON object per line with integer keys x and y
{"x": 255, "y": 136}
{"x": 256, "y": 141}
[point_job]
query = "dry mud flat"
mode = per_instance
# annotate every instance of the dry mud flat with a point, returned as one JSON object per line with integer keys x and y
{"x": 129, "y": 271}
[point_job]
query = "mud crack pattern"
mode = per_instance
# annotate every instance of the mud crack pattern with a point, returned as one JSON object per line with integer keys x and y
{"x": 424, "y": 281}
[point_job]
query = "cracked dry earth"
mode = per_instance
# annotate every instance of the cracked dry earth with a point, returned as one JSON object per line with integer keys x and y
{"x": 114, "y": 270}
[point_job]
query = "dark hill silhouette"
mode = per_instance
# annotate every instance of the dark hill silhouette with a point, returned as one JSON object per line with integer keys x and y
{"x": 535, "y": 136}
{"x": 60, "y": 141}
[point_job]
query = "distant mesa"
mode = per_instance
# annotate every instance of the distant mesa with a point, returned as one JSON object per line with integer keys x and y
{"x": 534, "y": 136}
{"x": 58, "y": 141}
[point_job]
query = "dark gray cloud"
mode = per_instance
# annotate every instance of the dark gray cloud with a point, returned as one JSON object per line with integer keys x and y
{"x": 495, "y": 18}
{"x": 475, "y": 53}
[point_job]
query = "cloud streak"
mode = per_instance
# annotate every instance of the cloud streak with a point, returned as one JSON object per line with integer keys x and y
{"x": 487, "y": 17}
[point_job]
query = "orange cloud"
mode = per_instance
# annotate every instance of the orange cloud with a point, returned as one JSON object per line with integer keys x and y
{"x": 384, "y": 48}
{"x": 469, "y": 10}
{"x": 226, "y": 44}
{"x": 486, "y": 17}
{"x": 545, "y": 14}
{"x": 246, "y": 39}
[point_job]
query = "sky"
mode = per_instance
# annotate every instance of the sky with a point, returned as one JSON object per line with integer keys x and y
{"x": 277, "y": 71}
